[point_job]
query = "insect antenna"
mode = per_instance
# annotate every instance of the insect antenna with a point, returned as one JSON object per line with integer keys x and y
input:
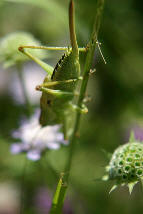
{"x": 98, "y": 44}
{"x": 72, "y": 28}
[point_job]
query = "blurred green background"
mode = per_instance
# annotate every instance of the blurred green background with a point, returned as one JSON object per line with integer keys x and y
{"x": 116, "y": 106}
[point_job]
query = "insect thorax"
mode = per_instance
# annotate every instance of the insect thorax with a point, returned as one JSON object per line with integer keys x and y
{"x": 53, "y": 109}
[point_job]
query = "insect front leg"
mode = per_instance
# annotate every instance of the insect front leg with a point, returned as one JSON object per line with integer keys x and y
{"x": 56, "y": 93}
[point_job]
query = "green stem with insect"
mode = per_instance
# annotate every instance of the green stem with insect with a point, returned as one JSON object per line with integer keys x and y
{"x": 59, "y": 196}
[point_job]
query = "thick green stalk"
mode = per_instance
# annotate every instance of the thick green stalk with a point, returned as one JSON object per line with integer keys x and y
{"x": 59, "y": 196}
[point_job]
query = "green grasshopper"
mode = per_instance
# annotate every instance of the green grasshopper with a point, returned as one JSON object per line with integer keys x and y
{"x": 60, "y": 83}
{"x": 58, "y": 88}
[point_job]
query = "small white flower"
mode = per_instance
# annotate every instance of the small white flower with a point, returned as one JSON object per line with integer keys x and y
{"x": 35, "y": 138}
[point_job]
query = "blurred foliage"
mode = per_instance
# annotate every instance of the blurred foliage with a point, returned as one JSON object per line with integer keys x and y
{"x": 10, "y": 55}
{"x": 117, "y": 99}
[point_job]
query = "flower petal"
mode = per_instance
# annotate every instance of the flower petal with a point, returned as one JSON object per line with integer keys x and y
{"x": 53, "y": 145}
{"x": 16, "y": 148}
{"x": 33, "y": 155}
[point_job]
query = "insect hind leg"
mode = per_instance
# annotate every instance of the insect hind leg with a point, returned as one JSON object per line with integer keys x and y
{"x": 45, "y": 66}
{"x": 56, "y": 93}
{"x": 82, "y": 49}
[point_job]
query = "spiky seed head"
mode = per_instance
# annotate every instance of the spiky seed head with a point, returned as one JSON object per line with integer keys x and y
{"x": 126, "y": 165}
{"x": 9, "y": 54}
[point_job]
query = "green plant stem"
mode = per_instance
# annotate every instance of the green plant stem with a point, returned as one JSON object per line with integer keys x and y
{"x": 22, "y": 207}
{"x": 23, "y": 87}
{"x": 59, "y": 196}
{"x": 29, "y": 110}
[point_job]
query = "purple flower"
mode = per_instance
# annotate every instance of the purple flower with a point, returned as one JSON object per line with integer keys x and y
{"x": 138, "y": 133}
{"x": 35, "y": 139}
{"x": 137, "y": 130}
{"x": 43, "y": 200}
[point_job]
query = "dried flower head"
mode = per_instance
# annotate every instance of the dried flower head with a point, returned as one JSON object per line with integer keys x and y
{"x": 36, "y": 139}
{"x": 9, "y": 54}
{"x": 126, "y": 165}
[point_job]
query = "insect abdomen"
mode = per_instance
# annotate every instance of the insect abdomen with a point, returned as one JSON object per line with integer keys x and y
{"x": 67, "y": 68}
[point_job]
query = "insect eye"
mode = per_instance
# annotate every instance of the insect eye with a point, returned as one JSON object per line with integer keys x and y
{"x": 48, "y": 102}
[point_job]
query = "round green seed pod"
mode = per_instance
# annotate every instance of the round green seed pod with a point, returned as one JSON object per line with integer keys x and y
{"x": 126, "y": 165}
{"x": 9, "y": 54}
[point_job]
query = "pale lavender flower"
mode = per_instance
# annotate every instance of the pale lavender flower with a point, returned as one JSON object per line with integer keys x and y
{"x": 35, "y": 139}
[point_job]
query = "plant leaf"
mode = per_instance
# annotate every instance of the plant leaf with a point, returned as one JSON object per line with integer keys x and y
{"x": 113, "y": 188}
{"x": 131, "y": 186}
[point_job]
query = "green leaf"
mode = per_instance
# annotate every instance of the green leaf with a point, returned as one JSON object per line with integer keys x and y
{"x": 132, "y": 137}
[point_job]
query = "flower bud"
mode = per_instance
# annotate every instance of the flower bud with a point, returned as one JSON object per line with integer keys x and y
{"x": 126, "y": 165}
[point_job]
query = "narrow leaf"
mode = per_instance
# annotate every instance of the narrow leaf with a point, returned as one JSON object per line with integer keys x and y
{"x": 113, "y": 188}
{"x": 132, "y": 137}
{"x": 131, "y": 186}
